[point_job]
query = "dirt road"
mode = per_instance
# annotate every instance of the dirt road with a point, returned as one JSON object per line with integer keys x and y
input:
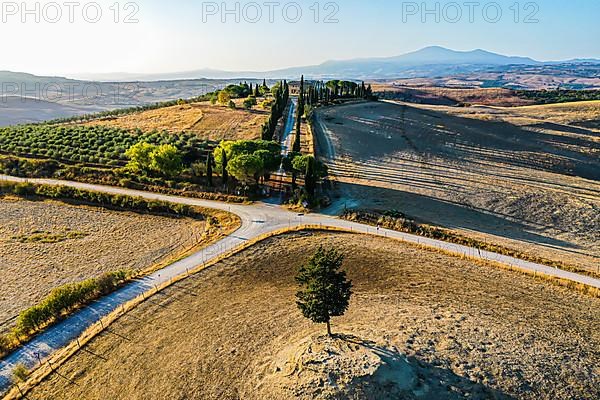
{"x": 257, "y": 219}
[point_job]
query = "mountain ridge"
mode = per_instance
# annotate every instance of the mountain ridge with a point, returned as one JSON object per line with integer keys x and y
{"x": 427, "y": 62}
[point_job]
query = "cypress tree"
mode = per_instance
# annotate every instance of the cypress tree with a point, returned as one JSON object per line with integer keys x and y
{"x": 301, "y": 97}
{"x": 325, "y": 291}
{"x": 209, "y": 169}
{"x": 297, "y": 145}
{"x": 310, "y": 181}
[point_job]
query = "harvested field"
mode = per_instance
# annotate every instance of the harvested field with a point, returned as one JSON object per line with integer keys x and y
{"x": 552, "y": 117}
{"x": 210, "y": 122}
{"x": 449, "y": 96}
{"x": 526, "y": 178}
{"x": 45, "y": 244}
{"x": 232, "y": 332}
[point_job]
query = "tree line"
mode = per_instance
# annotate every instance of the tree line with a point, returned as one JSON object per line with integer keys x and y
{"x": 558, "y": 95}
{"x": 281, "y": 95}
{"x": 321, "y": 92}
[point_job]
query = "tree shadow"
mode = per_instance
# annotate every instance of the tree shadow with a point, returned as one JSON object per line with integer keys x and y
{"x": 591, "y": 124}
{"x": 387, "y": 145}
{"x": 573, "y": 129}
{"x": 384, "y": 130}
{"x": 401, "y": 377}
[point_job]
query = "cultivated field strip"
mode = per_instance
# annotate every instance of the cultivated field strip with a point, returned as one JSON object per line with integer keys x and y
{"x": 442, "y": 166}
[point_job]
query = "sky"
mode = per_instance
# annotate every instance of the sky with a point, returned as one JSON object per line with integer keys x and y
{"x": 158, "y": 36}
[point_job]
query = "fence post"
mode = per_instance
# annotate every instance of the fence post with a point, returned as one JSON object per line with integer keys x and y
{"x": 20, "y": 392}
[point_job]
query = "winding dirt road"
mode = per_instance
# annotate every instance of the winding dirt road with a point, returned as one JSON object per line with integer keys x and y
{"x": 257, "y": 219}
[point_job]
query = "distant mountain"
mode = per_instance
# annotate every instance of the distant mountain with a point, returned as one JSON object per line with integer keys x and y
{"x": 34, "y": 98}
{"x": 436, "y": 55}
{"x": 440, "y": 55}
{"x": 580, "y": 61}
{"x": 29, "y": 80}
{"x": 428, "y": 62}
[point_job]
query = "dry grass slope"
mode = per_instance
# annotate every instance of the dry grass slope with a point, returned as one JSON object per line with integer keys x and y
{"x": 45, "y": 244}
{"x": 219, "y": 334}
{"x": 210, "y": 122}
{"x": 526, "y": 178}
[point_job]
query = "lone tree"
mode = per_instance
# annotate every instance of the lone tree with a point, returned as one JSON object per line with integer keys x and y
{"x": 224, "y": 98}
{"x": 325, "y": 292}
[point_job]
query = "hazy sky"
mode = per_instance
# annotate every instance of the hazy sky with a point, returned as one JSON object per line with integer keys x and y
{"x": 186, "y": 35}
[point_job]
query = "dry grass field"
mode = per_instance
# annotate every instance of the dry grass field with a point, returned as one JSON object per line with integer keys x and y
{"x": 210, "y": 122}
{"x": 527, "y": 178}
{"x": 421, "y": 325}
{"x": 419, "y": 92}
{"x": 45, "y": 244}
{"x": 585, "y": 115}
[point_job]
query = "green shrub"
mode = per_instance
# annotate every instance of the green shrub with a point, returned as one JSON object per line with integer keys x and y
{"x": 5, "y": 344}
{"x": 20, "y": 373}
{"x": 65, "y": 299}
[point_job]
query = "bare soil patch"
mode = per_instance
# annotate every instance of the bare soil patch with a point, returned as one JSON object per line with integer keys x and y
{"x": 526, "y": 178}
{"x": 556, "y": 119}
{"x": 450, "y": 327}
{"x": 449, "y": 96}
{"x": 45, "y": 244}
{"x": 210, "y": 122}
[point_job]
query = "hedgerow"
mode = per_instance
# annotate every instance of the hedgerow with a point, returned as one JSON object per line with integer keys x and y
{"x": 59, "y": 303}
{"x": 118, "y": 201}
{"x": 395, "y": 220}
{"x": 558, "y": 95}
